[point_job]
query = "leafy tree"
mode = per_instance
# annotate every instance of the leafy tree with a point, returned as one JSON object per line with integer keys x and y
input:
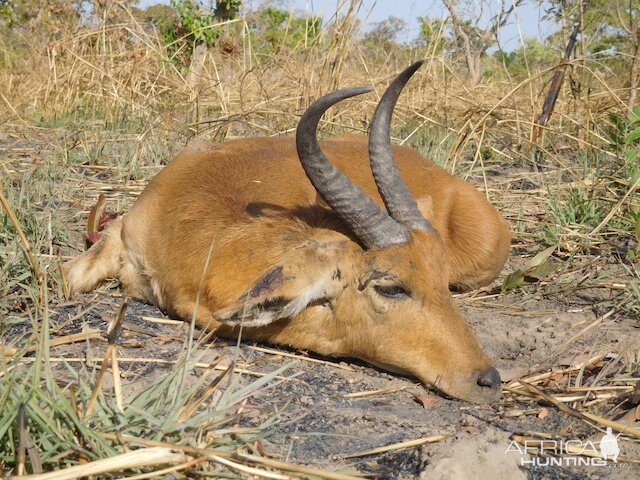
{"x": 227, "y": 9}
{"x": 273, "y": 29}
{"x": 611, "y": 33}
{"x": 32, "y": 15}
{"x": 6, "y": 11}
{"x": 189, "y": 27}
{"x": 191, "y": 21}
{"x": 164, "y": 18}
{"x": 195, "y": 21}
{"x": 432, "y": 33}
{"x": 534, "y": 52}
{"x": 384, "y": 34}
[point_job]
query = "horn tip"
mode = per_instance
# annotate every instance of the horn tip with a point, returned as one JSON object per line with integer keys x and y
{"x": 416, "y": 65}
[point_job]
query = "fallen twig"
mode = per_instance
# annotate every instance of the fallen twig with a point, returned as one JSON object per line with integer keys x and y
{"x": 392, "y": 447}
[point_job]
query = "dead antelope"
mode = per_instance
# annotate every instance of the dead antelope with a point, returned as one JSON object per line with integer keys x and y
{"x": 320, "y": 246}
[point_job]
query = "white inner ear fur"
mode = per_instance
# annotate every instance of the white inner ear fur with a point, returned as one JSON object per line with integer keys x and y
{"x": 311, "y": 293}
{"x": 260, "y": 312}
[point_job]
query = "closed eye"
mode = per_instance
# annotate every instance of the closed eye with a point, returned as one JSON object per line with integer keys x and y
{"x": 391, "y": 291}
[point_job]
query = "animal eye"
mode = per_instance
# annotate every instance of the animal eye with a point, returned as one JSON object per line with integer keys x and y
{"x": 391, "y": 291}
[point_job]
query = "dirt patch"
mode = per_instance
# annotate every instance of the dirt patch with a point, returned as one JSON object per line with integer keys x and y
{"x": 481, "y": 457}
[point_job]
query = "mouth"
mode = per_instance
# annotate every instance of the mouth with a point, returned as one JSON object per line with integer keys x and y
{"x": 481, "y": 386}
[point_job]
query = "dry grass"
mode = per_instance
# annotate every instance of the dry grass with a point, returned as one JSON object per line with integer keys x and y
{"x": 100, "y": 109}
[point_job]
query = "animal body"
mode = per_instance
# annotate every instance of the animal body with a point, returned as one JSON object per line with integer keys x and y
{"x": 347, "y": 247}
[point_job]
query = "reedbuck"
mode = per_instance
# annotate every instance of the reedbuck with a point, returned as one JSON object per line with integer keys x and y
{"x": 317, "y": 245}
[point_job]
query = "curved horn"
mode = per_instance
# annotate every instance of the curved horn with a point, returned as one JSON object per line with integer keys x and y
{"x": 370, "y": 223}
{"x": 397, "y": 198}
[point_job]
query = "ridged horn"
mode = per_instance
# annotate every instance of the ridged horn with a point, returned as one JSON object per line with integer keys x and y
{"x": 370, "y": 223}
{"x": 397, "y": 198}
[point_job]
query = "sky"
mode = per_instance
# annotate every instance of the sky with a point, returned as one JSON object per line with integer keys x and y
{"x": 527, "y": 21}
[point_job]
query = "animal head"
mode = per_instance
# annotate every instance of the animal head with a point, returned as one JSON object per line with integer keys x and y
{"x": 380, "y": 292}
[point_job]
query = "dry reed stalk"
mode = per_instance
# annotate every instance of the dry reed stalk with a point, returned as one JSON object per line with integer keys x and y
{"x": 162, "y": 321}
{"x": 112, "y": 337}
{"x": 373, "y": 393}
{"x": 598, "y": 321}
{"x": 393, "y": 447}
{"x": 145, "y": 360}
{"x": 535, "y": 378}
{"x": 161, "y": 473}
{"x": 248, "y": 470}
{"x": 117, "y": 384}
{"x": 188, "y": 410}
{"x": 300, "y": 469}
{"x": 144, "y": 457}
{"x": 63, "y": 278}
{"x": 267, "y": 462}
{"x": 22, "y": 441}
{"x": 26, "y": 246}
{"x": 616, "y": 207}
{"x": 55, "y": 342}
{"x": 568, "y": 398}
{"x": 584, "y": 416}
{"x": 304, "y": 358}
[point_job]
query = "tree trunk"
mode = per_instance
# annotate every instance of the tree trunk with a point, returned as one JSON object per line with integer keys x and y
{"x": 473, "y": 63}
{"x": 197, "y": 62}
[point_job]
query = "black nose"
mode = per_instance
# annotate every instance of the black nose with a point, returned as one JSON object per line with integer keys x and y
{"x": 489, "y": 378}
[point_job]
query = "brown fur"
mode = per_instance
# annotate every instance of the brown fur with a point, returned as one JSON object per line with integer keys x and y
{"x": 280, "y": 262}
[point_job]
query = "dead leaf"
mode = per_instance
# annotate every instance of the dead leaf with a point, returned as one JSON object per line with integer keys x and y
{"x": 635, "y": 395}
{"x": 539, "y": 259}
{"x": 630, "y": 417}
{"x": 260, "y": 448}
{"x": 426, "y": 401}
{"x": 557, "y": 378}
{"x": 544, "y": 412}
{"x": 536, "y": 269}
{"x": 594, "y": 367}
{"x": 509, "y": 374}
{"x": 513, "y": 280}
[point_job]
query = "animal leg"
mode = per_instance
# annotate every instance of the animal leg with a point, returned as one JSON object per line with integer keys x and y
{"x": 478, "y": 241}
{"x": 101, "y": 261}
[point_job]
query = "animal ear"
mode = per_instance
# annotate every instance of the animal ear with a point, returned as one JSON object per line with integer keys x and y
{"x": 308, "y": 275}
{"x": 425, "y": 205}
